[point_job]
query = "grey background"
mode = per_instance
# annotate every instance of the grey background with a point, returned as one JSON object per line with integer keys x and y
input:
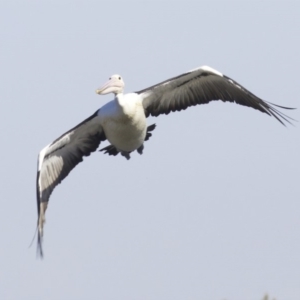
{"x": 210, "y": 211}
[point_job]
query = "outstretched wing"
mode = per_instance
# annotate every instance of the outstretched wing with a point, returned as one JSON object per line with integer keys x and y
{"x": 200, "y": 86}
{"x": 57, "y": 160}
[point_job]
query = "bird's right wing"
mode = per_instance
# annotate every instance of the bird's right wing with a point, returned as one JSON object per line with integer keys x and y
{"x": 57, "y": 160}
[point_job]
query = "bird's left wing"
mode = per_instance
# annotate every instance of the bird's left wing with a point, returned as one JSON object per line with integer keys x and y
{"x": 200, "y": 86}
{"x": 57, "y": 160}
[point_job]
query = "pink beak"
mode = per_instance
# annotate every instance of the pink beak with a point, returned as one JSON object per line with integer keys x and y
{"x": 111, "y": 86}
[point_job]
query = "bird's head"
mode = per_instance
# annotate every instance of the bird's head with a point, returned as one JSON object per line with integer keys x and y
{"x": 115, "y": 85}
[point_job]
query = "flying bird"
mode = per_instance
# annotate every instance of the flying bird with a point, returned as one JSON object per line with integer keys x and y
{"x": 122, "y": 122}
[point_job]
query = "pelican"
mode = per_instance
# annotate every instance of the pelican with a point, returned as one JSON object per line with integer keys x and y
{"x": 122, "y": 122}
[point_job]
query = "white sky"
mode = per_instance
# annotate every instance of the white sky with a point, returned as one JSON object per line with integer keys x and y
{"x": 209, "y": 211}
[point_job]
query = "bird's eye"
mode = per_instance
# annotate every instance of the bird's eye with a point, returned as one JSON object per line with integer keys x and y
{"x": 119, "y": 78}
{"x": 109, "y": 78}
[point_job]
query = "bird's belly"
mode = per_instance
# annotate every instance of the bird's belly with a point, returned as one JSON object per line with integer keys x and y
{"x": 126, "y": 134}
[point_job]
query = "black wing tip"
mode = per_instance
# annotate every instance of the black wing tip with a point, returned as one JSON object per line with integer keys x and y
{"x": 280, "y": 116}
{"x": 39, "y": 250}
{"x": 283, "y": 107}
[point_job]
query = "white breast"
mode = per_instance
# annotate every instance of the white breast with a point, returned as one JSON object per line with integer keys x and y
{"x": 124, "y": 122}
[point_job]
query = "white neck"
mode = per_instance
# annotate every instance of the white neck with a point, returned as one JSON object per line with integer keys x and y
{"x": 120, "y": 99}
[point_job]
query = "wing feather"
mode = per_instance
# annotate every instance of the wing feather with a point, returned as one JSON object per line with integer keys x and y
{"x": 201, "y": 86}
{"x": 59, "y": 158}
